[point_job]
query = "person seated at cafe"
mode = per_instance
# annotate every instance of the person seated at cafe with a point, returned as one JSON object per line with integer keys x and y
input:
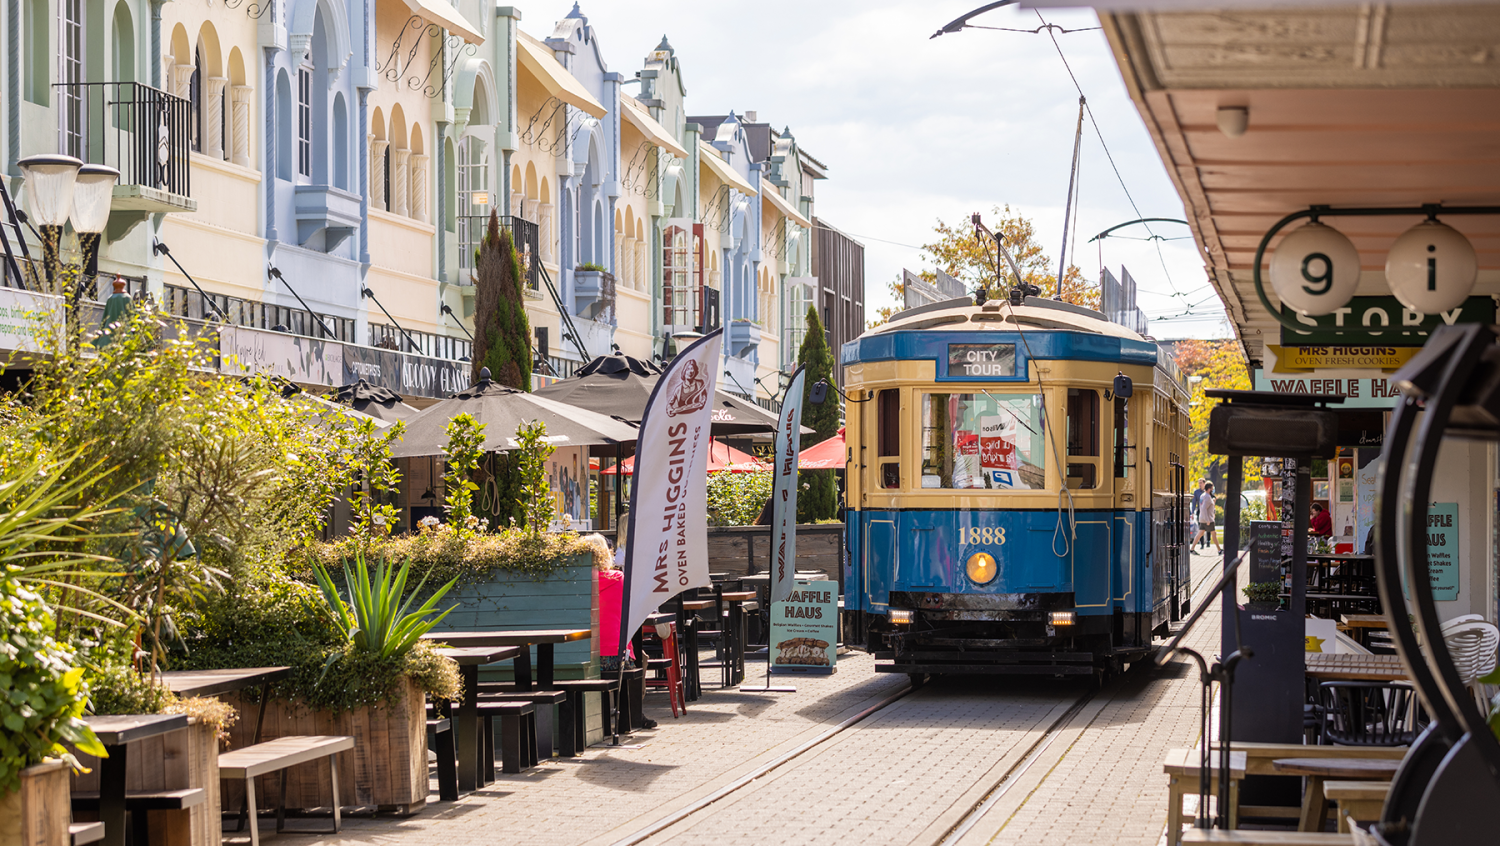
{"x": 1321, "y": 524}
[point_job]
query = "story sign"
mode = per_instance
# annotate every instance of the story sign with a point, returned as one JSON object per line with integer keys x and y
{"x": 1380, "y": 320}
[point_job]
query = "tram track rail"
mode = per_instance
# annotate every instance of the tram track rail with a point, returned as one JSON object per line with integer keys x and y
{"x": 992, "y": 796}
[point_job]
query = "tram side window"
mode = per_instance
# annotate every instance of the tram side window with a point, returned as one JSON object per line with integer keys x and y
{"x": 1083, "y": 438}
{"x": 1122, "y": 434}
{"x": 889, "y": 438}
{"x": 983, "y": 441}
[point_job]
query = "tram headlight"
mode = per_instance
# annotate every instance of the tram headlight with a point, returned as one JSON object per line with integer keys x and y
{"x": 901, "y": 616}
{"x": 1061, "y": 618}
{"x": 982, "y": 568}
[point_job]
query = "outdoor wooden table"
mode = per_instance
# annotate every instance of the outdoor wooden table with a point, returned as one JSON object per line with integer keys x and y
{"x": 466, "y": 732}
{"x": 1340, "y": 666}
{"x": 1319, "y": 770}
{"x": 214, "y": 682}
{"x": 117, "y": 733}
{"x": 542, "y": 639}
{"x": 1361, "y": 624}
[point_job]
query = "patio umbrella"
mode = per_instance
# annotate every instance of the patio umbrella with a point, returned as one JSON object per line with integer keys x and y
{"x": 620, "y": 386}
{"x": 502, "y": 410}
{"x": 722, "y": 458}
{"x": 824, "y": 455}
{"x": 375, "y": 401}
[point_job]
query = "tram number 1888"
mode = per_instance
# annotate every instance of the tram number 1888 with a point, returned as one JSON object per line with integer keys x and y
{"x": 993, "y": 535}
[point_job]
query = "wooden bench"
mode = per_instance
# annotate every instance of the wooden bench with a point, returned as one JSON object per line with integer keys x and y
{"x": 85, "y": 832}
{"x": 577, "y": 689}
{"x": 1258, "y": 758}
{"x": 140, "y": 803}
{"x": 1183, "y": 773}
{"x": 1363, "y": 800}
{"x": 275, "y": 756}
{"x": 1267, "y": 838}
{"x": 517, "y": 736}
{"x": 440, "y": 738}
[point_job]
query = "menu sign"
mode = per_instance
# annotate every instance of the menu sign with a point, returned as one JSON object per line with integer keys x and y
{"x": 981, "y": 361}
{"x": 1265, "y": 551}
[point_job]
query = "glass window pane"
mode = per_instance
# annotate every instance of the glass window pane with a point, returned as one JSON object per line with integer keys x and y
{"x": 984, "y": 441}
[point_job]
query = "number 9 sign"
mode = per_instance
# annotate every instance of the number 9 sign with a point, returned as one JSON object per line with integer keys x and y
{"x": 1315, "y": 269}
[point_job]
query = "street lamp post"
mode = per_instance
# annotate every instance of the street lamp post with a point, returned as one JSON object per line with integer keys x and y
{"x": 59, "y": 188}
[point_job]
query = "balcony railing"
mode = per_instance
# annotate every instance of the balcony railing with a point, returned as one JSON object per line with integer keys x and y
{"x": 144, "y": 131}
{"x": 525, "y": 234}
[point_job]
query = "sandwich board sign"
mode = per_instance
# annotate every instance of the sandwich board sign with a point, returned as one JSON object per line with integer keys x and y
{"x": 804, "y": 629}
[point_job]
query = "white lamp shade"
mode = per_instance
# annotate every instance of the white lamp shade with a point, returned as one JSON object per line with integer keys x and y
{"x": 49, "y": 187}
{"x": 1431, "y": 268}
{"x": 91, "y": 197}
{"x": 1315, "y": 269}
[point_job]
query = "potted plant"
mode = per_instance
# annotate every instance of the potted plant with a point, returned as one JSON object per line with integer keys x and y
{"x": 41, "y": 711}
{"x": 1263, "y": 596}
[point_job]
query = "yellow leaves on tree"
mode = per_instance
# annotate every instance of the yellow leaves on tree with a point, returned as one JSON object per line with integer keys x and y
{"x": 971, "y": 259}
{"x": 1210, "y": 365}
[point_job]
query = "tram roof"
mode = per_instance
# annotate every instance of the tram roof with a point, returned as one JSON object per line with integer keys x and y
{"x": 1053, "y": 330}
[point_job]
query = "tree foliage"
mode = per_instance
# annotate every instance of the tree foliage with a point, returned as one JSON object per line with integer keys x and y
{"x": 818, "y": 499}
{"x": 465, "y": 449}
{"x": 502, "y": 333}
{"x": 971, "y": 259}
{"x": 1209, "y": 365}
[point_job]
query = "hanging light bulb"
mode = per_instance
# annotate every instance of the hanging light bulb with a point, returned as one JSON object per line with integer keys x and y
{"x": 1431, "y": 268}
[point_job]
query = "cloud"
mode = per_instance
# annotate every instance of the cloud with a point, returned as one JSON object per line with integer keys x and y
{"x": 915, "y": 129}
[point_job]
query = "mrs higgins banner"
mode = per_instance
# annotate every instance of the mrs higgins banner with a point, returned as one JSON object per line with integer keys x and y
{"x": 668, "y": 537}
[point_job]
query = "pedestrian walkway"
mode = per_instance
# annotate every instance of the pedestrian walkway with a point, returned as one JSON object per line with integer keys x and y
{"x": 610, "y": 792}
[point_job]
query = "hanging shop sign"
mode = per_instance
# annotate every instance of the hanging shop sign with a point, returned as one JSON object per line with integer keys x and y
{"x": 408, "y": 375}
{"x": 1310, "y": 359}
{"x": 23, "y": 315}
{"x": 1315, "y": 269}
{"x": 1381, "y": 321}
{"x": 306, "y": 361}
{"x": 804, "y": 629}
{"x": 1360, "y": 388}
{"x": 1431, "y": 268}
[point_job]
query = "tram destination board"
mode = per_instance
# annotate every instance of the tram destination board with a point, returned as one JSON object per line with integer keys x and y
{"x": 981, "y": 360}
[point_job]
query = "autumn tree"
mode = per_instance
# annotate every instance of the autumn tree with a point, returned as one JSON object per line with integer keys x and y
{"x": 502, "y": 334}
{"x": 972, "y": 259}
{"x": 818, "y": 499}
{"x": 1209, "y": 365}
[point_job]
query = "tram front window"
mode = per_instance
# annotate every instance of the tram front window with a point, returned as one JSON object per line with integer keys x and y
{"x": 984, "y": 441}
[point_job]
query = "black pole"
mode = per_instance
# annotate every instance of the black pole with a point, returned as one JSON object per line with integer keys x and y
{"x": 319, "y": 320}
{"x": 161, "y": 249}
{"x": 1226, "y": 684}
{"x": 416, "y": 347}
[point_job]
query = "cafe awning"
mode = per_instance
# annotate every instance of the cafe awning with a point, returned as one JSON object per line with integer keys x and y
{"x": 769, "y": 192}
{"x": 654, "y": 132}
{"x": 444, "y": 15}
{"x": 537, "y": 58}
{"x": 721, "y": 169}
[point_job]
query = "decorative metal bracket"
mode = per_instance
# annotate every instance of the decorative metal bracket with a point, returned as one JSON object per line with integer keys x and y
{"x": 440, "y": 64}
{"x": 1312, "y": 213}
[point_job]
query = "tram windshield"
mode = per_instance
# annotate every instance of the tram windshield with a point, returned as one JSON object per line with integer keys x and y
{"x": 984, "y": 440}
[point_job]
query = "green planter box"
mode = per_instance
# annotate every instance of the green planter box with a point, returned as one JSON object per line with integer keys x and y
{"x": 566, "y": 599}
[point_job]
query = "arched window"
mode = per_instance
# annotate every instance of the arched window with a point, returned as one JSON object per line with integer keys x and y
{"x": 122, "y": 55}
{"x": 37, "y": 71}
{"x": 340, "y": 143}
{"x": 284, "y": 134}
{"x": 473, "y": 175}
{"x": 195, "y": 97}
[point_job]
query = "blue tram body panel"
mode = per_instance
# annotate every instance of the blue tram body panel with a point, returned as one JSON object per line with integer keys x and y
{"x": 925, "y": 551}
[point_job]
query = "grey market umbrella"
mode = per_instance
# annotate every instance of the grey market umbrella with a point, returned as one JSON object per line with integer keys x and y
{"x": 375, "y": 401}
{"x": 502, "y": 410}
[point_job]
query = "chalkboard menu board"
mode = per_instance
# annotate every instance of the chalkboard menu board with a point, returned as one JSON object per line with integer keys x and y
{"x": 1265, "y": 551}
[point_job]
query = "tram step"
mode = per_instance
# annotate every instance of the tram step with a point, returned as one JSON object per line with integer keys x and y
{"x": 995, "y": 669}
{"x": 991, "y": 656}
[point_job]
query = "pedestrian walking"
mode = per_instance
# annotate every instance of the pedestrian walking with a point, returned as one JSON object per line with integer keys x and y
{"x": 1207, "y": 511}
{"x": 1197, "y": 498}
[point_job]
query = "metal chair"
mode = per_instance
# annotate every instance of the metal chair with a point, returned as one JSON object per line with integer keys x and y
{"x": 1367, "y": 713}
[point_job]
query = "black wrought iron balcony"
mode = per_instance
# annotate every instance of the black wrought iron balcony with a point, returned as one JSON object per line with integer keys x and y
{"x": 144, "y": 132}
{"x": 525, "y": 234}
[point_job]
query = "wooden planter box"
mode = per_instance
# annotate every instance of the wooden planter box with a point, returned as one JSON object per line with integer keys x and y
{"x": 386, "y": 770}
{"x": 39, "y": 812}
{"x": 172, "y": 761}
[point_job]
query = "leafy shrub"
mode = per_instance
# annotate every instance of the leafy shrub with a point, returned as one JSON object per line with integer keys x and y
{"x": 591, "y": 265}
{"x": 42, "y": 695}
{"x": 736, "y": 499}
{"x": 374, "y": 619}
{"x": 1263, "y": 592}
{"x": 465, "y": 448}
{"x": 442, "y": 554}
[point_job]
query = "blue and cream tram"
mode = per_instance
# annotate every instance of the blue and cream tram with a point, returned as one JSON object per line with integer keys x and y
{"x": 1015, "y": 490}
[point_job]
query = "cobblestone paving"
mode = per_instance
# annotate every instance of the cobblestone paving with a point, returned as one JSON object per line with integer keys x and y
{"x": 608, "y": 793}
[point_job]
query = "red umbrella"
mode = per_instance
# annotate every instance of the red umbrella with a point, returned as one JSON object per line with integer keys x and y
{"x": 721, "y": 457}
{"x": 828, "y": 455}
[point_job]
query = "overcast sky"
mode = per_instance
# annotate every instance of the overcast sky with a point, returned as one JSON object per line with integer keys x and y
{"x": 915, "y": 129}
